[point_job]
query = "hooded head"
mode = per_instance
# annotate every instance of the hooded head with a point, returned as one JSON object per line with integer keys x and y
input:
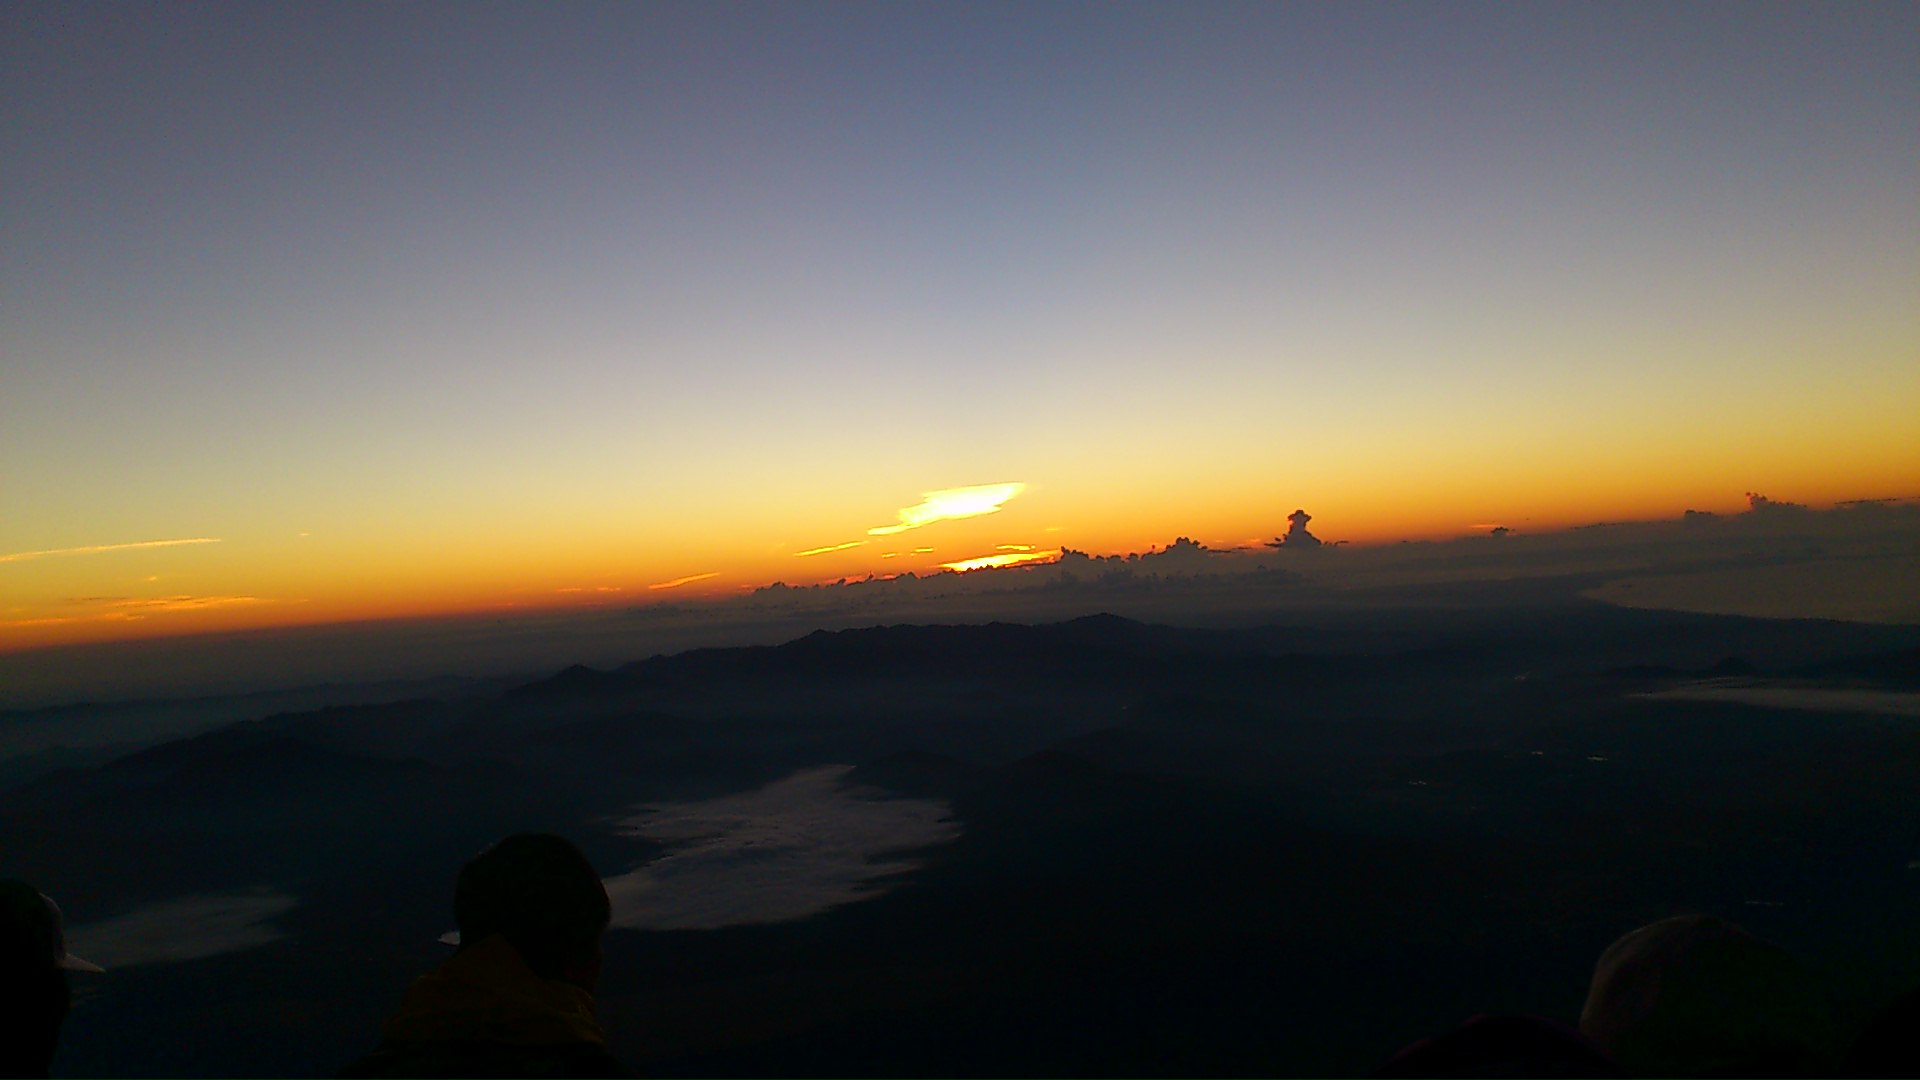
{"x": 34, "y": 995}
{"x": 538, "y": 892}
{"x": 1697, "y": 996}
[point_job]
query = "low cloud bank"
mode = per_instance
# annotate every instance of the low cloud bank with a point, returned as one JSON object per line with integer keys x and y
{"x": 1297, "y": 563}
{"x": 188, "y": 928}
{"x": 791, "y": 849}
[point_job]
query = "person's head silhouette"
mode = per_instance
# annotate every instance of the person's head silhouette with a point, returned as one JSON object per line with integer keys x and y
{"x": 540, "y": 893}
{"x": 516, "y": 999}
{"x": 1698, "y": 996}
{"x": 34, "y": 995}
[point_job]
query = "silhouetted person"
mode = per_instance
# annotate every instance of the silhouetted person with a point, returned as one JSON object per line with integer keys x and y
{"x": 1698, "y": 996}
{"x": 1488, "y": 1046}
{"x": 34, "y": 994}
{"x": 516, "y": 999}
{"x": 1890, "y": 1045}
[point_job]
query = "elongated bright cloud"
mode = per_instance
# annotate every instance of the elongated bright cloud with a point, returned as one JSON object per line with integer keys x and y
{"x": 829, "y": 547}
{"x": 688, "y": 580}
{"x": 184, "y": 603}
{"x": 134, "y": 609}
{"x": 22, "y": 556}
{"x": 161, "y": 603}
{"x": 950, "y": 503}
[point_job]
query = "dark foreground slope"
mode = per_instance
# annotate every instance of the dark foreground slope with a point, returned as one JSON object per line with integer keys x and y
{"x": 1283, "y": 849}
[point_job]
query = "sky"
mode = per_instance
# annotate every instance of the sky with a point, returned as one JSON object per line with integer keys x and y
{"x": 328, "y": 312}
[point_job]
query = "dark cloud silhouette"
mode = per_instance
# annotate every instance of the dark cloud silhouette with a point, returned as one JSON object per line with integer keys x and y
{"x": 1297, "y": 536}
{"x": 1183, "y": 559}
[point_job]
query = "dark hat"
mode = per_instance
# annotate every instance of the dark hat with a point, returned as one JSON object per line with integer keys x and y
{"x": 33, "y": 924}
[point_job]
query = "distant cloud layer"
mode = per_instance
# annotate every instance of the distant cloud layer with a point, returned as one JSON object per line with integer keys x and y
{"x": 1855, "y": 561}
{"x": 23, "y": 556}
{"x": 950, "y": 503}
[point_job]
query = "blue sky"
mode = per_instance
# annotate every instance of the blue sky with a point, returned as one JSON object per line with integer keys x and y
{"x": 655, "y": 291}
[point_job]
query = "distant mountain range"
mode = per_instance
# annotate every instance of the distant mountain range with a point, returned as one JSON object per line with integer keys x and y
{"x": 1156, "y": 829}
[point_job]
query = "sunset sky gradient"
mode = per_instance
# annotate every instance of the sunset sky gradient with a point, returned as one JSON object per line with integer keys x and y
{"x": 314, "y": 312}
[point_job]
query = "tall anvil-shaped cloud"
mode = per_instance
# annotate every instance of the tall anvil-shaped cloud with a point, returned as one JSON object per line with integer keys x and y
{"x": 950, "y": 503}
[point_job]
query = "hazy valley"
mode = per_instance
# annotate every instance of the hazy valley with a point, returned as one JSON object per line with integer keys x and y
{"x": 1097, "y": 846}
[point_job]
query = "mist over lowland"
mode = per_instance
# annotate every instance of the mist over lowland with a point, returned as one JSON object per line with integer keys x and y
{"x": 1255, "y": 812}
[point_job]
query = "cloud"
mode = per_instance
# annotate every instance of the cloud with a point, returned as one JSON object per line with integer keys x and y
{"x": 57, "y": 620}
{"x": 160, "y": 603}
{"x": 132, "y": 608}
{"x": 189, "y": 928}
{"x": 185, "y": 603}
{"x": 1011, "y": 558}
{"x": 791, "y": 849}
{"x": 1297, "y": 535}
{"x": 829, "y": 547}
{"x": 950, "y": 503}
{"x": 688, "y": 580}
{"x": 23, "y": 556}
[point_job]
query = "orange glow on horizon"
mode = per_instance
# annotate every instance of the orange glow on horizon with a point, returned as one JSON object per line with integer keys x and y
{"x": 250, "y": 583}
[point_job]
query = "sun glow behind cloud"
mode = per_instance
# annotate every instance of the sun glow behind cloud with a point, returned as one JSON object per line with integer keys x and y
{"x": 949, "y": 504}
{"x": 1011, "y": 558}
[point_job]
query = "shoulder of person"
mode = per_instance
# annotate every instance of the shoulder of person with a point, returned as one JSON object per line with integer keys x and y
{"x": 484, "y": 1059}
